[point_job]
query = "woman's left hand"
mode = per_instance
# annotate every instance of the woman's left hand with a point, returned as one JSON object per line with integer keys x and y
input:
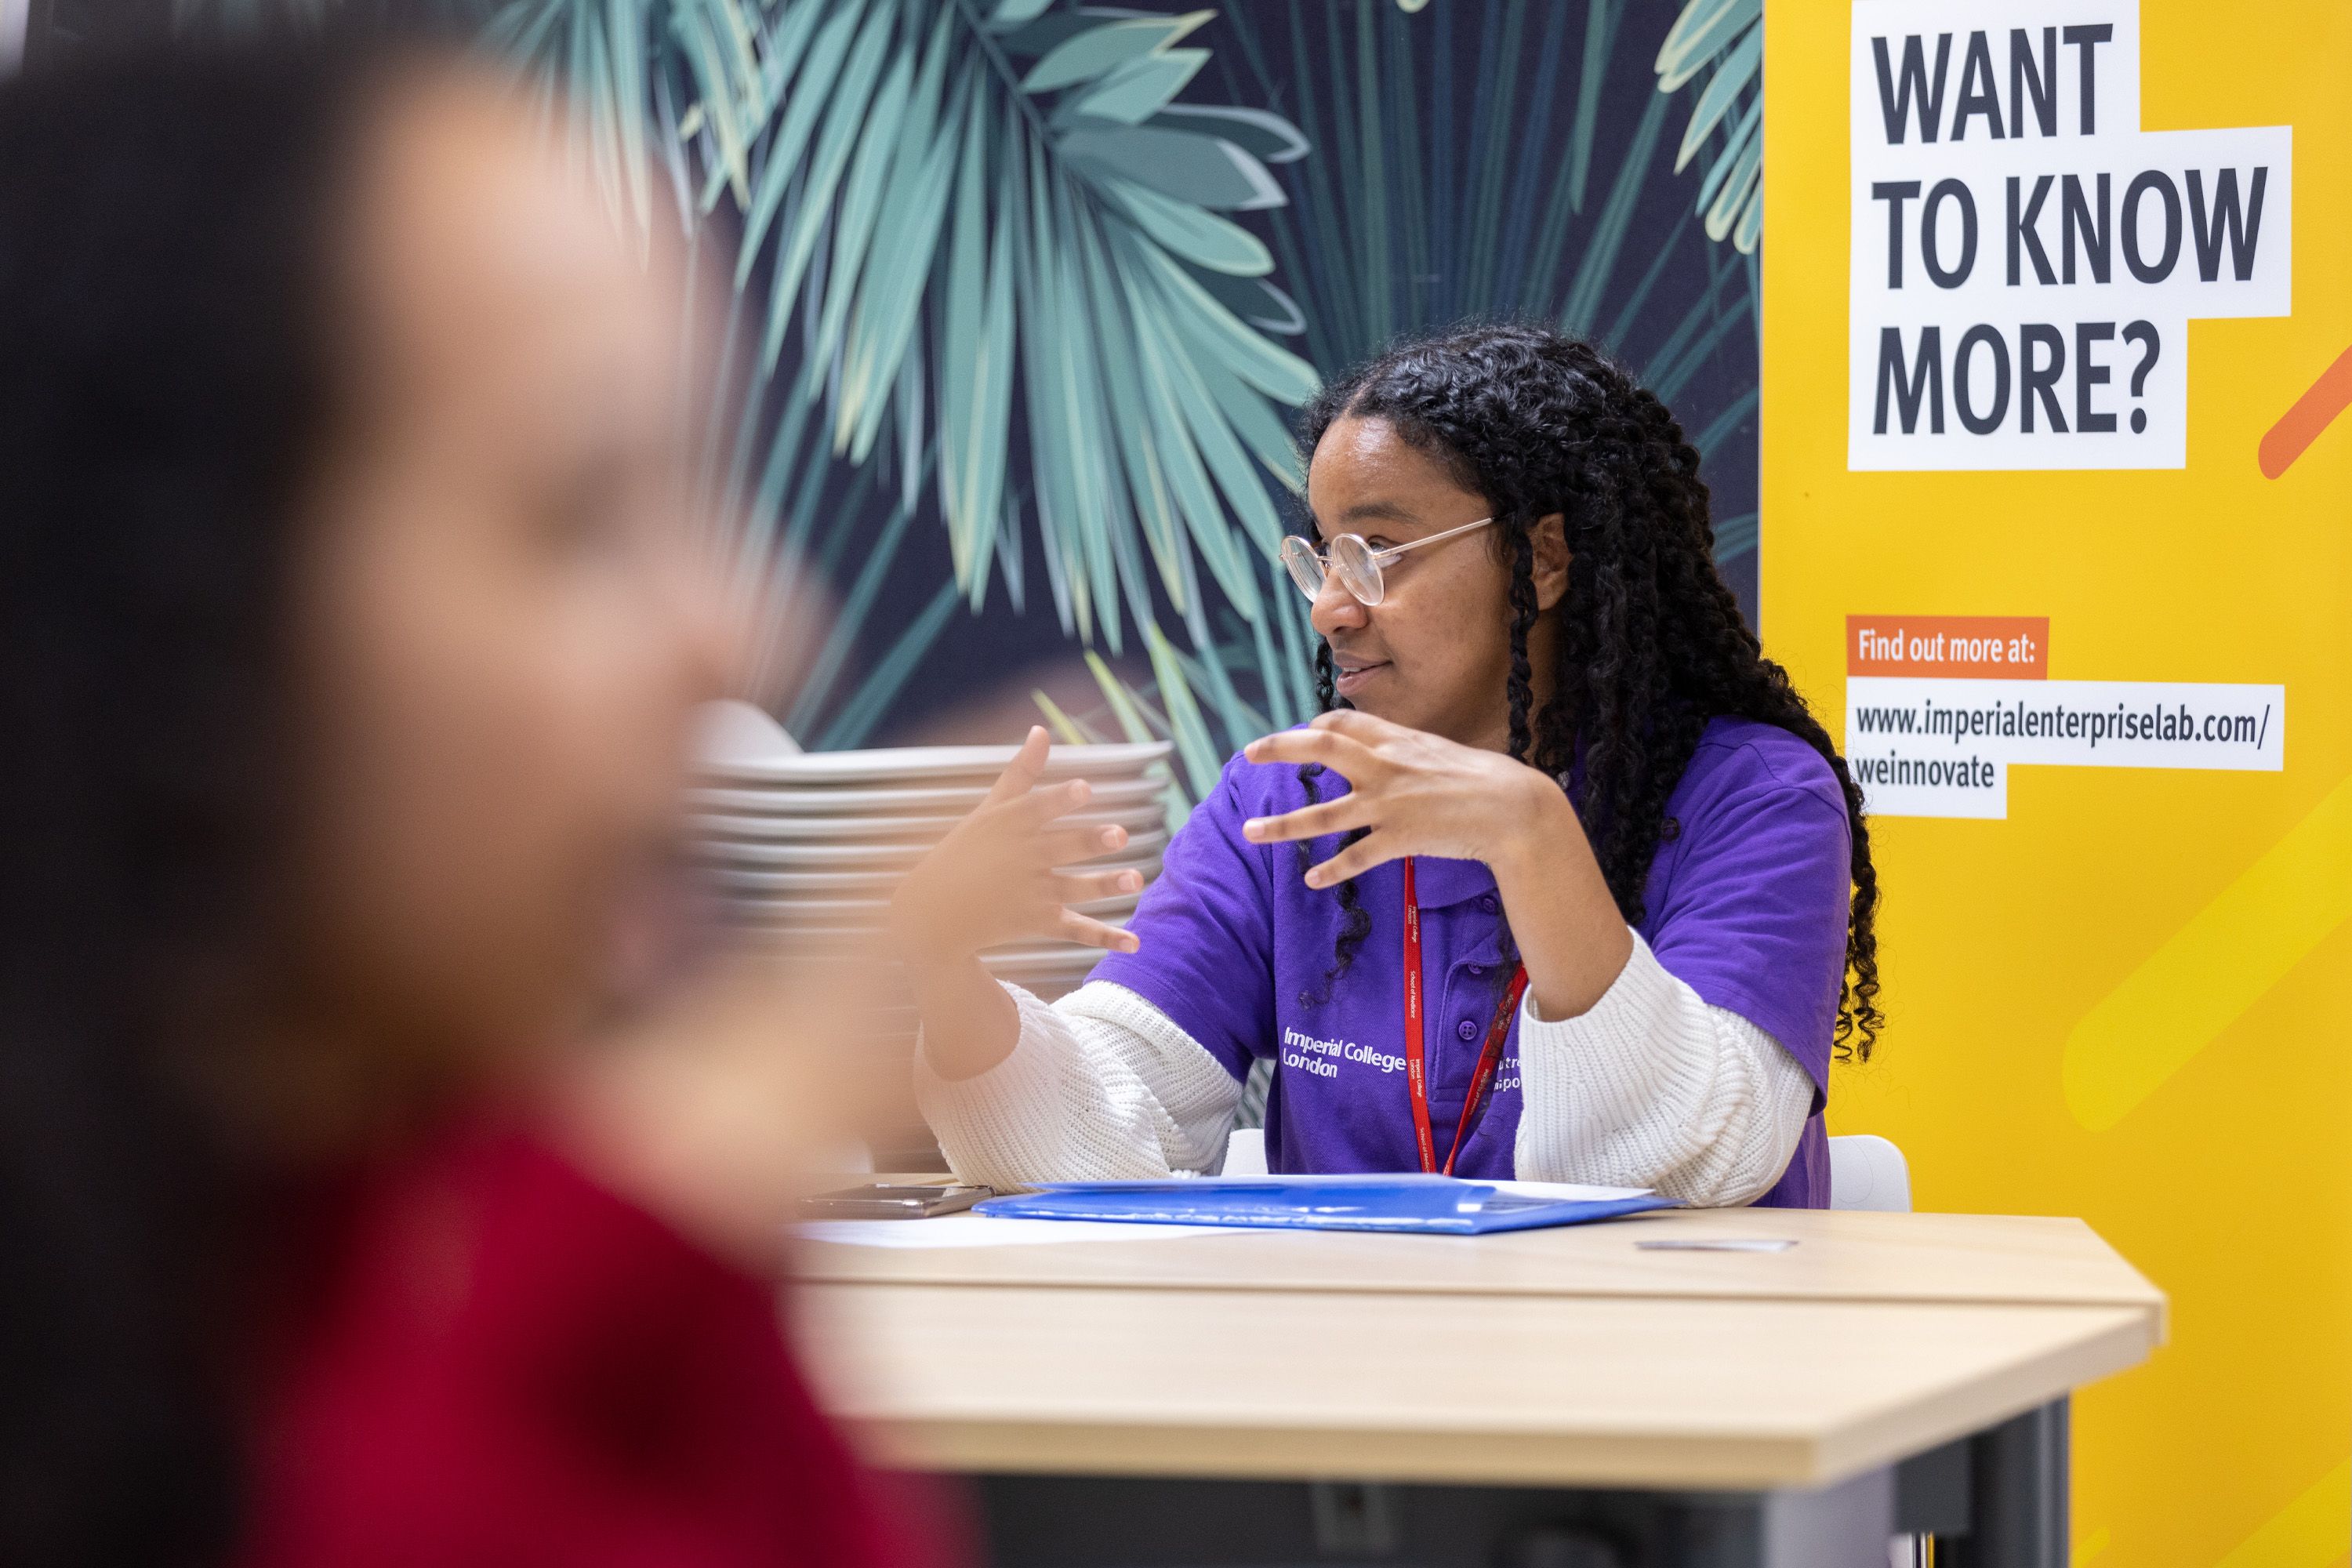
{"x": 1417, "y": 793}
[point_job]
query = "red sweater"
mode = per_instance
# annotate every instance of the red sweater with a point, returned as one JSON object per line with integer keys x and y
{"x": 505, "y": 1365}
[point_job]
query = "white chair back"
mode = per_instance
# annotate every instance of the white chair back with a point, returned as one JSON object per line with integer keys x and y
{"x": 1245, "y": 1152}
{"x": 1869, "y": 1172}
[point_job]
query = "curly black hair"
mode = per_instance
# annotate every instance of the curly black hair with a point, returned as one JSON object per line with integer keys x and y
{"x": 1651, "y": 644}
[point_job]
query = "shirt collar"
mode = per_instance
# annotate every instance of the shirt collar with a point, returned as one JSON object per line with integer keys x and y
{"x": 1438, "y": 882}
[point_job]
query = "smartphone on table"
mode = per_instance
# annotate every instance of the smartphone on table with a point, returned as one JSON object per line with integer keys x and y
{"x": 892, "y": 1200}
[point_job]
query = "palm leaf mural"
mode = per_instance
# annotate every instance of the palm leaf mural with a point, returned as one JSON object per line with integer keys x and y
{"x": 1417, "y": 206}
{"x": 1424, "y": 202}
{"x": 1724, "y": 39}
{"x": 976, "y": 246}
{"x": 1019, "y": 295}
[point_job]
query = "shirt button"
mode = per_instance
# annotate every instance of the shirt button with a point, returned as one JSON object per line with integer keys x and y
{"x": 1466, "y": 1029}
{"x": 1478, "y": 969}
{"x": 1489, "y": 904}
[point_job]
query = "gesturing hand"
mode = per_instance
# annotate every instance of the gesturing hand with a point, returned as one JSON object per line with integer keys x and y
{"x": 992, "y": 879}
{"x": 1417, "y": 793}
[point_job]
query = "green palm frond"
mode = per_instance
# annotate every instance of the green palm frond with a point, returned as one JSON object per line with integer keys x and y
{"x": 1001, "y": 202}
{"x": 981, "y": 270}
{"x": 1386, "y": 232}
{"x": 1421, "y": 206}
{"x": 1131, "y": 711}
{"x": 1726, "y": 38}
{"x": 613, "y": 60}
{"x": 858, "y": 716}
{"x": 976, "y": 240}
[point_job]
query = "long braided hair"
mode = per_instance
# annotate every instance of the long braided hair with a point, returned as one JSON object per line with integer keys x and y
{"x": 1650, "y": 644}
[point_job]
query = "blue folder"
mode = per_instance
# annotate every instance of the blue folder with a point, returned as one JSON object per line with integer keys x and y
{"x": 1436, "y": 1206}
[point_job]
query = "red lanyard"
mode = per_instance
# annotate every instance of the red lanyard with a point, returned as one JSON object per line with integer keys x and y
{"x": 1416, "y": 1070}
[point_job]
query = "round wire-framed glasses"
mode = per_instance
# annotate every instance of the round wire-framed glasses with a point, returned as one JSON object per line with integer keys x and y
{"x": 1356, "y": 564}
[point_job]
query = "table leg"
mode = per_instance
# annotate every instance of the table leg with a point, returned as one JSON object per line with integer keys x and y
{"x": 2017, "y": 1480}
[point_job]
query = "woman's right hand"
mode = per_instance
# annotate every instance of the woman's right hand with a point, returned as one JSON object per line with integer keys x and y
{"x": 994, "y": 879}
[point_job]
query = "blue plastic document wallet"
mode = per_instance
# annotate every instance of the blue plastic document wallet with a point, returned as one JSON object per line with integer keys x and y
{"x": 1438, "y": 1205}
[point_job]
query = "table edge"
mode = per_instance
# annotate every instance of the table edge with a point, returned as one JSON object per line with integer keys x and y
{"x": 1296, "y": 1452}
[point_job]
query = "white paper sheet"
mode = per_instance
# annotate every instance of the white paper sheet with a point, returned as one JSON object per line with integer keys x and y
{"x": 979, "y": 1230}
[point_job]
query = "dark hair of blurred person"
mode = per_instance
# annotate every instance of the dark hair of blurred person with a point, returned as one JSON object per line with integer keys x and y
{"x": 349, "y": 634}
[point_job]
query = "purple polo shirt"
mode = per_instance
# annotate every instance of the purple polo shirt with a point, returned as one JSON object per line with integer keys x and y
{"x": 1747, "y": 904}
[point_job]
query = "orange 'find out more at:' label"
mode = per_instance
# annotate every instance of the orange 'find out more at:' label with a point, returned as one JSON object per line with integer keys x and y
{"x": 1976, "y": 647}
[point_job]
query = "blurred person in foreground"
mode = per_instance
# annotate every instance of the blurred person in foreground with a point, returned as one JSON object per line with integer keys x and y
{"x": 373, "y": 1189}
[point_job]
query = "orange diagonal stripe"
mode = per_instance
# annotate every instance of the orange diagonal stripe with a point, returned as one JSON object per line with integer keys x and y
{"x": 2313, "y": 412}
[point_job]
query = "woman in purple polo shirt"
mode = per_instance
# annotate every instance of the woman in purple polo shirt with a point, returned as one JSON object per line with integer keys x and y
{"x": 1568, "y": 884}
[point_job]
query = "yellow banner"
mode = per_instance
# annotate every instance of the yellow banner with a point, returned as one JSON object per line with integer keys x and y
{"x": 2057, "y": 513}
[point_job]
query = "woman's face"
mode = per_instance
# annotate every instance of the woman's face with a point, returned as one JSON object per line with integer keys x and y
{"x": 1436, "y": 654}
{"x": 502, "y": 629}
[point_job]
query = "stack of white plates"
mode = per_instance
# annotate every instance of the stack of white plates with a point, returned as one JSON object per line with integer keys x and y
{"x": 811, "y": 847}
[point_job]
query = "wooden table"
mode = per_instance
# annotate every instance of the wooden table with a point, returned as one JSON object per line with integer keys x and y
{"x": 1555, "y": 1399}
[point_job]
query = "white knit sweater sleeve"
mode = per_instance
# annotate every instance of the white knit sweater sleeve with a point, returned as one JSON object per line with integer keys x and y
{"x": 1101, "y": 1085}
{"x": 1652, "y": 1087}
